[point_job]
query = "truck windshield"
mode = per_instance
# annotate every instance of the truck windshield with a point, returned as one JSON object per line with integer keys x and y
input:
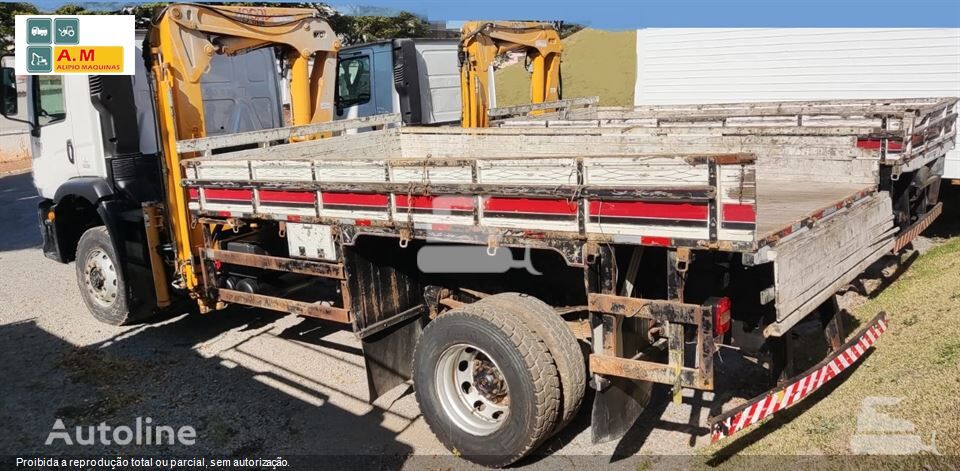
{"x": 353, "y": 81}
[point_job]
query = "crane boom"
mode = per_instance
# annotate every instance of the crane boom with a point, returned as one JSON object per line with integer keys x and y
{"x": 482, "y": 41}
{"x": 183, "y": 40}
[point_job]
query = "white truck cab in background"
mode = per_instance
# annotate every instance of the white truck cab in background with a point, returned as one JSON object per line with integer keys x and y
{"x": 416, "y": 78}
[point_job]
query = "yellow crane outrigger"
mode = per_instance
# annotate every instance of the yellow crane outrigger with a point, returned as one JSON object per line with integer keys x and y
{"x": 480, "y": 44}
{"x": 183, "y": 39}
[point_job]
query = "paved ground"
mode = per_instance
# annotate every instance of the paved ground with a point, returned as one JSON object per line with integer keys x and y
{"x": 251, "y": 382}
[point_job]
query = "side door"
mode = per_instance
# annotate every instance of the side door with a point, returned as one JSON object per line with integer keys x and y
{"x": 354, "y": 84}
{"x": 54, "y": 155}
{"x": 86, "y": 137}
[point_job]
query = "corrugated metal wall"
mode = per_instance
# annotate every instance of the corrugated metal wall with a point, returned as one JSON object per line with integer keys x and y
{"x": 751, "y": 64}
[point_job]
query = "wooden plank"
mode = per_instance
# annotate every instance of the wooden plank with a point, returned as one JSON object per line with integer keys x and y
{"x": 276, "y": 134}
{"x": 782, "y": 203}
{"x": 855, "y": 107}
{"x": 832, "y": 253}
{"x": 548, "y": 105}
{"x": 349, "y": 146}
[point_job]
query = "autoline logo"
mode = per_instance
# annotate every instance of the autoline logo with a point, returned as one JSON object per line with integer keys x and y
{"x": 143, "y": 432}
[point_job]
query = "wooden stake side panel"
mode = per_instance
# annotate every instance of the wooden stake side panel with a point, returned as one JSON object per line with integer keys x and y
{"x": 833, "y": 252}
{"x": 644, "y": 200}
{"x": 906, "y": 133}
{"x": 821, "y": 158}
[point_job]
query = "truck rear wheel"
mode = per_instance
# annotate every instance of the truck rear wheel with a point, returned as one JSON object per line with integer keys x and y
{"x": 100, "y": 277}
{"x": 560, "y": 342}
{"x": 486, "y": 384}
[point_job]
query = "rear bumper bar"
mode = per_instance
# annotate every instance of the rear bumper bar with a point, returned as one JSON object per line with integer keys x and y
{"x": 799, "y": 387}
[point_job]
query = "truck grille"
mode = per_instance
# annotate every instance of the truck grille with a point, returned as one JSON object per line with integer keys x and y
{"x": 96, "y": 84}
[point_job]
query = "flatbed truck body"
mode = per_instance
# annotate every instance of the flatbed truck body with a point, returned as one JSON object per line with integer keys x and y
{"x": 476, "y": 263}
{"x": 664, "y": 227}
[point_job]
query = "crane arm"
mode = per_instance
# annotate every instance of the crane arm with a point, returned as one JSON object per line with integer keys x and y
{"x": 480, "y": 44}
{"x": 183, "y": 40}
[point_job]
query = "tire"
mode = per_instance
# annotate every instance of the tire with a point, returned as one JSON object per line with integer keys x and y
{"x": 524, "y": 366}
{"x": 100, "y": 278}
{"x": 561, "y": 343}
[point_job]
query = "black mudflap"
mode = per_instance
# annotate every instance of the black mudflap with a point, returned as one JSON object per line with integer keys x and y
{"x": 386, "y": 299}
{"x": 388, "y": 356}
{"x": 617, "y": 407}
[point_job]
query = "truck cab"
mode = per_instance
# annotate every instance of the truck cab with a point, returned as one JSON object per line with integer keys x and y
{"x": 96, "y": 159}
{"x": 417, "y": 78}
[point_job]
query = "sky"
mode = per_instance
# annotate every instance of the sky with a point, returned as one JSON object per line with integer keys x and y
{"x": 626, "y": 14}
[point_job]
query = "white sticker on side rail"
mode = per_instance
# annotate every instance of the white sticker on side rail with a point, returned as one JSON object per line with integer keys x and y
{"x": 311, "y": 241}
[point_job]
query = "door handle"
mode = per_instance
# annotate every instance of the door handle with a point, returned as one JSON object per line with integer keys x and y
{"x": 70, "y": 151}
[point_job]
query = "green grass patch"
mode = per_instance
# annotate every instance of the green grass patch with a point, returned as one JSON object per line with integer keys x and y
{"x": 594, "y": 63}
{"x": 916, "y": 360}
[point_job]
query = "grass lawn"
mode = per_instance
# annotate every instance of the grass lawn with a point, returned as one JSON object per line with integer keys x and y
{"x": 917, "y": 360}
{"x": 594, "y": 63}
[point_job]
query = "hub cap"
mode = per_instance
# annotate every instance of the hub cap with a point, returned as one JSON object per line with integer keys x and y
{"x": 473, "y": 391}
{"x": 100, "y": 278}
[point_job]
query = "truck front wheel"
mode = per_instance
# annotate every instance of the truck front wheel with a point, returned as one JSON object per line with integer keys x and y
{"x": 100, "y": 278}
{"x": 487, "y": 386}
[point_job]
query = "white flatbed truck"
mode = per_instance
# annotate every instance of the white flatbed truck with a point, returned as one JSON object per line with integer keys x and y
{"x": 653, "y": 237}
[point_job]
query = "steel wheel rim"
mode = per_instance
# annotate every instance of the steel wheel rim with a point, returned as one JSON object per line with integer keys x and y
{"x": 100, "y": 278}
{"x": 472, "y": 390}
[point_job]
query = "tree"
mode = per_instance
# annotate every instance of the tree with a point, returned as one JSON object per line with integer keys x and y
{"x": 361, "y": 29}
{"x": 7, "y": 13}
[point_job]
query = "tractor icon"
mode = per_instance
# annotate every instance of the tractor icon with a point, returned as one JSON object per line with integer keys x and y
{"x": 67, "y": 32}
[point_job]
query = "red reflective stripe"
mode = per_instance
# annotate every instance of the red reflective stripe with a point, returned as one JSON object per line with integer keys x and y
{"x": 874, "y": 144}
{"x": 293, "y": 218}
{"x": 657, "y": 241}
{"x": 194, "y": 193}
{"x": 275, "y": 196}
{"x": 739, "y": 213}
{"x": 230, "y": 195}
{"x": 642, "y": 209}
{"x": 436, "y": 202}
{"x": 358, "y": 199}
{"x": 528, "y": 205}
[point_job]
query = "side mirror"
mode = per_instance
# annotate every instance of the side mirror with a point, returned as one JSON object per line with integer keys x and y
{"x": 8, "y": 92}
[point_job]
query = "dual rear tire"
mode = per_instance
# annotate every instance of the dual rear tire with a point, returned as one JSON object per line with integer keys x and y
{"x": 496, "y": 378}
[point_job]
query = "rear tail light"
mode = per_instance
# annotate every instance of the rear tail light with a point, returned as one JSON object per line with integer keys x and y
{"x": 721, "y": 316}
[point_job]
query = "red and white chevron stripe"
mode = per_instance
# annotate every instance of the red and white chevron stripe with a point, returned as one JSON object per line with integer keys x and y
{"x": 913, "y": 231}
{"x": 784, "y": 397}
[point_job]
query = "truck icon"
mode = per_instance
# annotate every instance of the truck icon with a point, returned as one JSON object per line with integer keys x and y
{"x": 38, "y": 31}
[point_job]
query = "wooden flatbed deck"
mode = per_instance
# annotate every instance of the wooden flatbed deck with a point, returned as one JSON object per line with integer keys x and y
{"x": 781, "y": 204}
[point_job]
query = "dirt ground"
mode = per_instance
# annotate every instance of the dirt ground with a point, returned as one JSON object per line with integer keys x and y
{"x": 252, "y": 383}
{"x": 14, "y": 166}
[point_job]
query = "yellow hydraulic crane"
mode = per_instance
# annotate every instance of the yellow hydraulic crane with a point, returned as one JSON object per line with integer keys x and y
{"x": 183, "y": 39}
{"x": 482, "y": 41}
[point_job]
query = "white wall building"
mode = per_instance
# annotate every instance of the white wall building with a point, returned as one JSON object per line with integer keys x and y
{"x": 720, "y": 65}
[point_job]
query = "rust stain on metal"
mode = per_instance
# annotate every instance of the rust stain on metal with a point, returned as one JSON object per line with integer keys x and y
{"x": 292, "y": 265}
{"x": 285, "y": 305}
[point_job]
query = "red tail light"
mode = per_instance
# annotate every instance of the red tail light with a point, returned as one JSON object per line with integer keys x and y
{"x": 721, "y": 316}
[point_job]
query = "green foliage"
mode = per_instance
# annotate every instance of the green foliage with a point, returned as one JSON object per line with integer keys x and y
{"x": 361, "y": 29}
{"x": 7, "y": 13}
